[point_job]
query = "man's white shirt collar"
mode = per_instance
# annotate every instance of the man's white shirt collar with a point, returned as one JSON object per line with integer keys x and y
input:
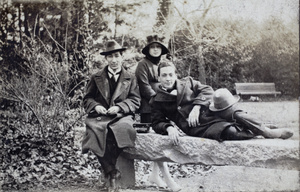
{"x": 116, "y": 74}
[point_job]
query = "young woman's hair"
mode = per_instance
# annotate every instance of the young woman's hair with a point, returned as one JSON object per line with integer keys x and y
{"x": 165, "y": 63}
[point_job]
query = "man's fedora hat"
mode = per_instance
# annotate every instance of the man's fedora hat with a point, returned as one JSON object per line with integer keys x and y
{"x": 223, "y": 99}
{"x": 154, "y": 39}
{"x": 111, "y": 47}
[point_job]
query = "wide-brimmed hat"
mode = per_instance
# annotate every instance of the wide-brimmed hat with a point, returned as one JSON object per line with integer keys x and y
{"x": 223, "y": 99}
{"x": 154, "y": 39}
{"x": 111, "y": 47}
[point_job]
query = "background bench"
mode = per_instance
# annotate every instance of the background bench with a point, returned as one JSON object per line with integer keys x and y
{"x": 256, "y": 89}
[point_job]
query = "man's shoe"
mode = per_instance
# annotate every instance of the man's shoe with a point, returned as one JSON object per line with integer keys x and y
{"x": 115, "y": 174}
{"x": 278, "y": 133}
{"x": 111, "y": 189}
{"x": 286, "y": 134}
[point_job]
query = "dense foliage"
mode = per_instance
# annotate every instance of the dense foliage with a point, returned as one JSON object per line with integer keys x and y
{"x": 28, "y": 160}
{"x": 49, "y": 49}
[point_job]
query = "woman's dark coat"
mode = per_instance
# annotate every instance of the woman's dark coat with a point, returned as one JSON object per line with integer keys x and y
{"x": 147, "y": 78}
{"x": 126, "y": 96}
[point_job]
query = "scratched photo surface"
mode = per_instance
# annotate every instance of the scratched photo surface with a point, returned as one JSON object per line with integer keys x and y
{"x": 50, "y": 49}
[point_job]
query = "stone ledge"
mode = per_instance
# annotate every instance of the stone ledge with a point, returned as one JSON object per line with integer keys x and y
{"x": 265, "y": 153}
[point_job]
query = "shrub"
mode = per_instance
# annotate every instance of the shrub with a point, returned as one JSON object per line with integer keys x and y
{"x": 38, "y": 123}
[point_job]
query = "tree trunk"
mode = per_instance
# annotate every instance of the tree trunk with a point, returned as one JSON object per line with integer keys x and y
{"x": 20, "y": 23}
{"x": 26, "y": 23}
{"x": 163, "y": 12}
{"x": 116, "y": 19}
{"x": 201, "y": 66}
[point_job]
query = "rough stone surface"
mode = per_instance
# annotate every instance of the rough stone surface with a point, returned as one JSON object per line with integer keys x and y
{"x": 265, "y": 153}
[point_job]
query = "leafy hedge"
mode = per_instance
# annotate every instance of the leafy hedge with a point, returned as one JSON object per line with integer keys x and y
{"x": 29, "y": 160}
{"x": 40, "y": 108}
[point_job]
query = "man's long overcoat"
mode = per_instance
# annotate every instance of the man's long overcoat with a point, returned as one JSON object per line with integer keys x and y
{"x": 126, "y": 96}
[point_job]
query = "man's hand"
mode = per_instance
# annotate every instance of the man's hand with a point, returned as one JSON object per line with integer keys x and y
{"x": 100, "y": 110}
{"x": 194, "y": 116}
{"x": 173, "y": 134}
{"x": 113, "y": 110}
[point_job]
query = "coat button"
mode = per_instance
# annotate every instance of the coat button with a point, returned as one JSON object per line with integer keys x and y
{"x": 178, "y": 107}
{"x": 98, "y": 118}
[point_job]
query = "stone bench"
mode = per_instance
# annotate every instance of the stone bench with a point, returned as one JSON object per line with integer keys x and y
{"x": 263, "y": 153}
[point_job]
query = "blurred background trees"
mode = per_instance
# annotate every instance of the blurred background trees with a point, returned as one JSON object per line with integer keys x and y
{"x": 216, "y": 51}
{"x": 49, "y": 49}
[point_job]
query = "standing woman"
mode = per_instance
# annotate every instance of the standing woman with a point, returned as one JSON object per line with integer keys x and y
{"x": 147, "y": 78}
{"x": 111, "y": 99}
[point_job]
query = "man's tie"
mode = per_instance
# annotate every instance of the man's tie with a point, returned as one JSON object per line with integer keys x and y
{"x": 114, "y": 76}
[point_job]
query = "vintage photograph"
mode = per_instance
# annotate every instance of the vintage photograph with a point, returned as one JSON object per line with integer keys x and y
{"x": 149, "y": 95}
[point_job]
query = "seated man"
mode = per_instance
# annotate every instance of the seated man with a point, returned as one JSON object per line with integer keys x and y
{"x": 112, "y": 96}
{"x": 199, "y": 111}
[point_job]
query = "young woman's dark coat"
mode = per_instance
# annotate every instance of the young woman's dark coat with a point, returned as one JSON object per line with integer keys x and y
{"x": 147, "y": 78}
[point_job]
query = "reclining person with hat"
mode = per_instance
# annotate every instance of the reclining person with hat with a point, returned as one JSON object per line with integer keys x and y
{"x": 111, "y": 99}
{"x": 199, "y": 111}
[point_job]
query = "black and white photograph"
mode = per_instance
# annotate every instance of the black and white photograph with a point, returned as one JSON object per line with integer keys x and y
{"x": 149, "y": 95}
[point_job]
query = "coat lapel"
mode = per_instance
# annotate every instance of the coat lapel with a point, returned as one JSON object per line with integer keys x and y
{"x": 180, "y": 86}
{"x": 123, "y": 82}
{"x": 163, "y": 96}
{"x": 101, "y": 80}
